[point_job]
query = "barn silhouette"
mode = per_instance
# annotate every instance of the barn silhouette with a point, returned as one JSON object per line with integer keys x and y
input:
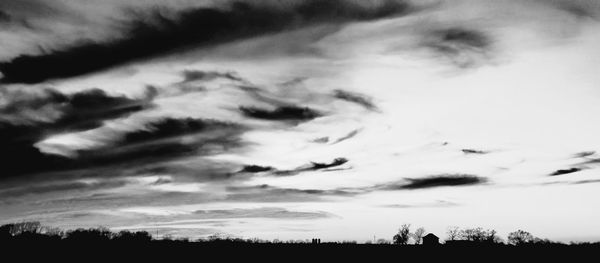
{"x": 431, "y": 240}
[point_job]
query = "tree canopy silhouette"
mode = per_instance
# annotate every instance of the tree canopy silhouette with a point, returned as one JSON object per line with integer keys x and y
{"x": 403, "y": 235}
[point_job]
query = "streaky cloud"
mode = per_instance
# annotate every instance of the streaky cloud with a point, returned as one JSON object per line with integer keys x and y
{"x": 199, "y": 75}
{"x": 60, "y": 187}
{"x": 163, "y": 140}
{"x": 268, "y": 193}
{"x": 356, "y": 98}
{"x": 584, "y": 154}
{"x": 435, "y": 181}
{"x": 438, "y": 203}
{"x": 30, "y": 117}
{"x": 473, "y": 151}
{"x": 265, "y": 212}
{"x": 347, "y": 136}
{"x": 313, "y": 166}
{"x": 283, "y": 113}
{"x": 255, "y": 169}
{"x": 587, "y": 181}
{"x": 565, "y": 171}
{"x": 163, "y": 33}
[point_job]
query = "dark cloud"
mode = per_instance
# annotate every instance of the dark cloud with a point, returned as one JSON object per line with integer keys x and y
{"x": 587, "y": 181}
{"x": 283, "y": 113}
{"x": 4, "y": 17}
{"x": 162, "y": 180}
{"x": 357, "y": 98}
{"x": 170, "y": 127}
{"x": 279, "y": 102}
{"x": 463, "y": 47}
{"x": 472, "y": 151}
{"x": 321, "y": 140}
{"x": 157, "y": 142}
{"x": 29, "y": 118}
{"x": 189, "y": 170}
{"x": 161, "y": 33}
{"x": 436, "y": 181}
{"x": 591, "y": 161}
{"x": 584, "y": 154}
{"x": 313, "y": 166}
{"x": 334, "y": 163}
{"x": 165, "y": 139}
{"x": 565, "y": 171}
{"x": 580, "y": 9}
{"x": 347, "y": 136}
{"x": 469, "y": 38}
{"x": 256, "y": 169}
{"x": 78, "y": 111}
{"x": 199, "y": 75}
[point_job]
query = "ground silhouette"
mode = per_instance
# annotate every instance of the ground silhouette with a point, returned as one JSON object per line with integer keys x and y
{"x": 45, "y": 243}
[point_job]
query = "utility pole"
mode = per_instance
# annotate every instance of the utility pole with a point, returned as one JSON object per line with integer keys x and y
{"x": 156, "y": 227}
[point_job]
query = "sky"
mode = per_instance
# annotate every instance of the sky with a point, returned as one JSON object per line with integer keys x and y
{"x": 299, "y": 119}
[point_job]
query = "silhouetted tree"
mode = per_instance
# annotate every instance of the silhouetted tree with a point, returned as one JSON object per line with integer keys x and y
{"x": 479, "y": 235}
{"x": 473, "y": 234}
{"x": 491, "y": 237}
{"x": 52, "y": 231}
{"x": 453, "y": 233}
{"x": 520, "y": 237}
{"x": 28, "y": 231}
{"x": 32, "y": 227}
{"x": 6, "y": 231}
{"x": 403, "y": 235}
{"x": 418, "y": 235}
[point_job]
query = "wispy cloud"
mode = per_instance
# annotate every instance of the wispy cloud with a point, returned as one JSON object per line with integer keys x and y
{"x": 265, "y": 212}
{"x": 29, "y": 117}
{"x": 436, "y": 181}
{"x": 357, "y": 98}
{"x": 162, "y": 32}
{"x": 291, "y": 114}
{"x": 565, "y": 171}
{"x": 463, "y": 47}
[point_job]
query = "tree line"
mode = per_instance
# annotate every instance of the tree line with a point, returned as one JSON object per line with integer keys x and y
{"x": 35, "y": 231}
{"x": 456, "y": 235}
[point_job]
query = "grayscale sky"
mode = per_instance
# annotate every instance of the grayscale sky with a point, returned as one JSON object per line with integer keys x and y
{"x": 297, "y": 119}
